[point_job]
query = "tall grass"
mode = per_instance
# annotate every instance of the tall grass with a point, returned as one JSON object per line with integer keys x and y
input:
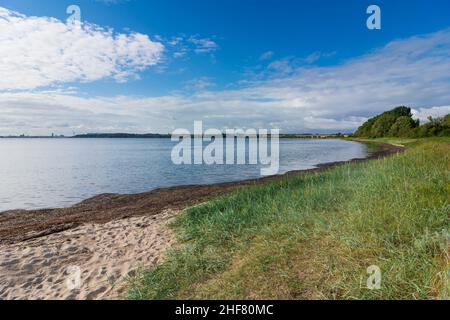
{"x": 313, "y": 237}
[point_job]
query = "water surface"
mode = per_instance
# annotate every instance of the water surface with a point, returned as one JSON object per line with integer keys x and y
{"x": 46, "y": 173}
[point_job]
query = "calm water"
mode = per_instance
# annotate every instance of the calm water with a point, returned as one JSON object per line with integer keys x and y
{"x": 45, "y": 173}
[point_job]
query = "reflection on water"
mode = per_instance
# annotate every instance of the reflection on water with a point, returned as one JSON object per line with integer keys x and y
{"x": 43, "y": 173}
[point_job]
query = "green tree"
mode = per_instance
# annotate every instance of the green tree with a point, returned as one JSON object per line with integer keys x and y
{"x": 403, "y": 127}
{"x": 436, "y": 127}
{"x": 380, "y": 125}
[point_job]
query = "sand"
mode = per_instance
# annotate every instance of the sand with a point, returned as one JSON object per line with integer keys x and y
{"x": 90, "y": 262}
{"x": 103, "y": 240}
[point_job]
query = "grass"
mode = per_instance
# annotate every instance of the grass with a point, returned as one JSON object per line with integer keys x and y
{"x": 313, "y": 237}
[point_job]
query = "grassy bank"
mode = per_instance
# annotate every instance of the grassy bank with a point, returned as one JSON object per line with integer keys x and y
{"x": 313, "y": 237}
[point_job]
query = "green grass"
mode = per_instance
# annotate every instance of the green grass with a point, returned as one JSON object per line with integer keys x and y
{"x": 313, "y": 237}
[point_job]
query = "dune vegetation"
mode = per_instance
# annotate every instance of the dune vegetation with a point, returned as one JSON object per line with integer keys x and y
{"x": 314, "y": 236}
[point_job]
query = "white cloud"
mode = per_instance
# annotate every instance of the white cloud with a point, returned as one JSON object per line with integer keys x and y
{"x": 436, "y": 112}
{"x": 413, "y": 71}
{"x": 182, "y": 46}
{"x": 325, "y": 124}
{"x": 42, "y": 51}
{"x": 203, "y": 45}
{"x": 282, "y": 66}
{"x": 199, "y": 84}
{"x": 267, "y": 55}
{"x": 315, "y": 56}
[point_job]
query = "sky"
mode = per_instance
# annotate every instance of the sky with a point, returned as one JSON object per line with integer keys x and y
{"x": 139, "y": 66}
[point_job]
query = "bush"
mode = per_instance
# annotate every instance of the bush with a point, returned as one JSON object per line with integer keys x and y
{"x": 402, "y": 127}
{"x": 381, "y": 125}
{"x": 436, "y": 127}
{"x": 400, "y": 123}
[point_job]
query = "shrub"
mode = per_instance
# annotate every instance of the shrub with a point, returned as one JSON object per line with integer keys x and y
{"x": 402, "y": 127}
{"x": 436, "y": 127}
{"x": 400, "y": 123}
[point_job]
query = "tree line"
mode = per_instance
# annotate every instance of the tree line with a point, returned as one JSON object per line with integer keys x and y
{"x": 399, "y": 122}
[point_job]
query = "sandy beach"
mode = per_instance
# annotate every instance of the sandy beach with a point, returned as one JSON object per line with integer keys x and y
{"x": 88, "y": 251}
{"x": 88, "y": 262}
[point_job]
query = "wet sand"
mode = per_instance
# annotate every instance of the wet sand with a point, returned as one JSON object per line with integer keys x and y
{"x": 105, "y": 239}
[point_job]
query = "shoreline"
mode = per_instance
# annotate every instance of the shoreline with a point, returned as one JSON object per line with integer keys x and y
{"x": 23, "y": 225}
{"x": 105, "y": 239}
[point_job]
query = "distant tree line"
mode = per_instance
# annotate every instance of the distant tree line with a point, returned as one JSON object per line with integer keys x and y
{"x": 399, "y": 122}
{"x": 122, "y": 135}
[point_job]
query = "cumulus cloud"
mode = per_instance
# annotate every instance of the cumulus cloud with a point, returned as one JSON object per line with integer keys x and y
{"x": 43, "y": 51}
{"x": 413, "y": 71}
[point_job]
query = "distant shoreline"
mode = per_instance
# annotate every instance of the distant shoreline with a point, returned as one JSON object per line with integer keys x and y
{"x": 168, "y": 136}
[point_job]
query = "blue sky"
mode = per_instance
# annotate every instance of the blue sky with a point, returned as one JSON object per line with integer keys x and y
{"x": 301, "y": 66}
